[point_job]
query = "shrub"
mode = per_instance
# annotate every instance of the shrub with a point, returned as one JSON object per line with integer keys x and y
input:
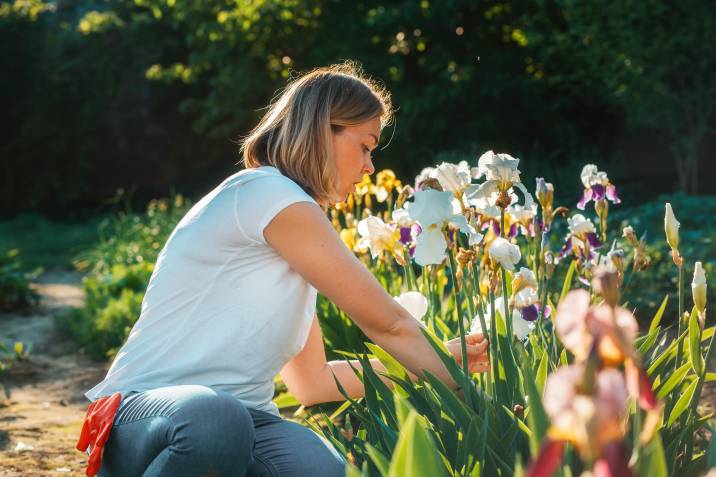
{"x": 15, "y": 291}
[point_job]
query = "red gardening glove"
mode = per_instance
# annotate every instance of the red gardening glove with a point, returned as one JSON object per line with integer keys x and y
{"x": 96, "y": 428}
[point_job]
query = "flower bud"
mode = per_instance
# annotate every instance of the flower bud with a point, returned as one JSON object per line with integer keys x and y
{"x": 629, "y": 234}
{"x": 698, "y": 288}
{"x": 405, "y": 193}
{"x": 671, "y": 226}
{"x": 544, "y": 193}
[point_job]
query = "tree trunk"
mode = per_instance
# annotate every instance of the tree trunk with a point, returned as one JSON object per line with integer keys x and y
{"x": 686, "y": 156}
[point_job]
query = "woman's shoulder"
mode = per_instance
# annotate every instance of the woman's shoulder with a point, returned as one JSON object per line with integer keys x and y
{"x": 265, "y": 180}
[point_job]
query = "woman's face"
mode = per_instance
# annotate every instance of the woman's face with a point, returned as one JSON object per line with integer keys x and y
{"x": 352, "y": 148}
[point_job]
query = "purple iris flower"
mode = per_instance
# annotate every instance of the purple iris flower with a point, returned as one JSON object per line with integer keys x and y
{"x": 598, "y": 192}
{"x": 592, "y": 239}
{"x": 531, "y": 313}
{"x": 405, "y": 235}
{"x": 496, "y": 229}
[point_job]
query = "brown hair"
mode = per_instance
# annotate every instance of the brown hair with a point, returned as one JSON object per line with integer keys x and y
{"x": 295, "y": 134}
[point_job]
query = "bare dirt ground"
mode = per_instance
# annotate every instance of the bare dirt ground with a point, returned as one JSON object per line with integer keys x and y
{"x": 42, "y": 405}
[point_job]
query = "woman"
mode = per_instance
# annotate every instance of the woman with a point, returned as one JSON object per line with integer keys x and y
{"x": 231, "y": 302}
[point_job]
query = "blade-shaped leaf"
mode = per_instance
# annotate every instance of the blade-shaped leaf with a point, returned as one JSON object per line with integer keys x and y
{"x": 415, "y": 453}
{"x": 682, "y": 404}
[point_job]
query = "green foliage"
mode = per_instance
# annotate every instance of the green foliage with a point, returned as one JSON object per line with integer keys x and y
{"x": 15, "y": 291}
{"x": 556, "y": 81}
{"x": 646, "y": 290}
{"x": 47, "y": 243}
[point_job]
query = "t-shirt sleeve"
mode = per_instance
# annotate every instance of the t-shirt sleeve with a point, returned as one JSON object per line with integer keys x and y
{"x": 259, "y": 200}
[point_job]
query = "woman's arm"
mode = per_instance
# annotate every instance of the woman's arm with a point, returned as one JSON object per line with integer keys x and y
{"x": 312, "y": 380}
{"x": 304, "y": 237}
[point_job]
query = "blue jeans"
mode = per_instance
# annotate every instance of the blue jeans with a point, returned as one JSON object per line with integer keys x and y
{"x": 198, "y": 431}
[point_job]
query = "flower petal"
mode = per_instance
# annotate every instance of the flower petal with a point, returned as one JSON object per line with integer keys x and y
{"x": 612, "y": 194}
{"x": 586, "y": 197}
{"x": 414, "y": 302}
{"x": 430, "y": 247}
{"x": 548, "y": 460}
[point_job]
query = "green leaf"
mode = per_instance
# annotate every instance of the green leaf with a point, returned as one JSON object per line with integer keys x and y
{"x": 682, "y": 404}
{"x": 542, "y": 371}
{"x": 391, "y": 364}
{"x": 711, "y": 462}
{"x": 695, "y": 343}
{"x": 568, "y": 280}
{"x": 659, "y": 313}
{"x": 285, "y": 400}
{"x": 537, "y": 417}
{"x": 676, "y": 378}
{"x": 652, "y": 460}
{"x": 380, "y": 461}
{"x": 415, "y": 453}
{"x": 340, "y": 409}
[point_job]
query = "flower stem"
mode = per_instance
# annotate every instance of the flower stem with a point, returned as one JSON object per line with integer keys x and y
{"x": 677, "y": 363}
{"x": 508, "y": 317}
{"x": 460, "y": 323}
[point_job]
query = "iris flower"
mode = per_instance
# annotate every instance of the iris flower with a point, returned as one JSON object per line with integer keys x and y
{"x": 385, "y": 183}
{"x": 414, "y": 302}
{"x": 377, "y": 236}
{"x": 520, "y": 326}
{"x": 504, "y": 253}
{"x": 502, "y": 177}
{"x": 581, "y": 239}
{"x": 524, "y": 295}
{"x": 433, "y": 211}
{"x": 596, "y": 187}
{"x": 588, "y": 418}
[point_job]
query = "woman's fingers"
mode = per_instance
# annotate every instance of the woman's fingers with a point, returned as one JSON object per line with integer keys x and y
{"x": 475, "y": 338}
{"x": 477, "y": 349}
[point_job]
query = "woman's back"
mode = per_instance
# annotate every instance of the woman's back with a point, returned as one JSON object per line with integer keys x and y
{"x": 222, "y": 308}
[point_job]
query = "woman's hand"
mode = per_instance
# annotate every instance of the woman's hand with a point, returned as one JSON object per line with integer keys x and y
{"x": 478, "y": 356}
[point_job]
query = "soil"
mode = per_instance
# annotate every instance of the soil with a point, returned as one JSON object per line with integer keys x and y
{"x": 42, "y": 402}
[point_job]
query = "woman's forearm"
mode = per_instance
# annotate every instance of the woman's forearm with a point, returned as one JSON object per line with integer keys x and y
{"x": 406, "y": 343}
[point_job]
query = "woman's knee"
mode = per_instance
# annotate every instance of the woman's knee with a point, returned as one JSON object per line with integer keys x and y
{"x": 214, "y": 424}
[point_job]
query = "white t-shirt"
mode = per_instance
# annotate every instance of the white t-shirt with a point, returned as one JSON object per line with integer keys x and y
{"x": 222, "y": 308}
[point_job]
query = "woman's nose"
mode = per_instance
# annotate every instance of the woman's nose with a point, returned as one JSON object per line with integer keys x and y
{"x": 368, "y": 167}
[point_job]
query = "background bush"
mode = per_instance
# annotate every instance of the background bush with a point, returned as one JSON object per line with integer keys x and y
{"x": 150, "y": 95}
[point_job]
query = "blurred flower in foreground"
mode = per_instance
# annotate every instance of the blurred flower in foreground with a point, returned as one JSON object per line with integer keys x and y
{"x": 596, "y": 187}
{"x": 579, "y": 325}
{"x": 590, "y": 419}
{"x": 414, "y": 302}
